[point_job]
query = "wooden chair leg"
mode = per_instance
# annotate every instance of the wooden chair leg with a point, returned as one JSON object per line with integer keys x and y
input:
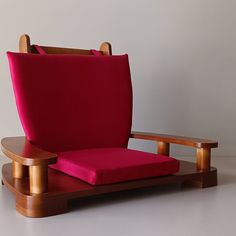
{"x": 19, "y": 171}
{"x": 38, "y": 179}
{"x": 209, "y": 178}
{"x": 203, "y": 159}
{"x": 163, "y": 148}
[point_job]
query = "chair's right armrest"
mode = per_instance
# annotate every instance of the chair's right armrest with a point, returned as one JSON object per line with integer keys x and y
{"x": 19, "y": 149}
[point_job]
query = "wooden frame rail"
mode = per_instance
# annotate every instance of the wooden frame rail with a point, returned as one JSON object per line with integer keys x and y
{"x": 163, "y": 147}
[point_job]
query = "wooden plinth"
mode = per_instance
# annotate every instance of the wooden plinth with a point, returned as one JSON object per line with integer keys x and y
{"x": 62, "y": 188}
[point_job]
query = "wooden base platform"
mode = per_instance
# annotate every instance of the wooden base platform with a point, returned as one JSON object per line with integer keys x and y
{"x": 62, "y": 188}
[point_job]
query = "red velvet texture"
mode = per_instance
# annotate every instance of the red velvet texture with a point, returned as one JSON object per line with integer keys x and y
{"x": 112, "y": 165}
{"x": 72, "y": 102}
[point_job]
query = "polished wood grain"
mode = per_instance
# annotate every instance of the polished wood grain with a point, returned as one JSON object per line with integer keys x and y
{"x": 187, "y": 141}
{"x": 19, "y": 170}
{"x": 163, "y": 148}
{"x": 203, "y": 159}
{"x": 62, "y": 188}
{"x": 38, "y": 179}
{"x": 22, "y": 151}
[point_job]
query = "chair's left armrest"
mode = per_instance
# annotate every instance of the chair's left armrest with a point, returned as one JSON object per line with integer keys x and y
{"x": 22, "y": 151}
{"x": 29, "y": 160}
{"x": 203, "y": 145}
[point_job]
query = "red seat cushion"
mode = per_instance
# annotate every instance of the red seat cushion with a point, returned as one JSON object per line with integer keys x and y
{"x": 111, "y": 165}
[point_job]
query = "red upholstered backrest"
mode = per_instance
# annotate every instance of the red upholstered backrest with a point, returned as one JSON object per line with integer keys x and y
{"x": 71, "y": 102}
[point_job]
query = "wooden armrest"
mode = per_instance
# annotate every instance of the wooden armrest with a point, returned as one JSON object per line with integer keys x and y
{"x": 19, "y": 149}
{"x": 203, "y": 146}
{"x": 187, "y": 141}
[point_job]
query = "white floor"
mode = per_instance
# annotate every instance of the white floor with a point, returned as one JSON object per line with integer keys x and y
{"x": 165, "y": 211}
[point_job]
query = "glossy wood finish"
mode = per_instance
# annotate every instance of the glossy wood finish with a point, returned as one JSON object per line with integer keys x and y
{"x": 38, "y": 179}
{"x": 19, "y": 171}
{"x": 203, "y": 146}
{"x": 163, "y": 148}
{"x": 203, "y": 158}
{"x": 186, "y": 141}
{"x": 19, "y": 149}
{"x": 62, "y": 188}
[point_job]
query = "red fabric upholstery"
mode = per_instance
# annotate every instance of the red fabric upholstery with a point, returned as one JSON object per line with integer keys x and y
{"x": 72, "y": 102}
{"x": 111, "y": 165}
{"x": 81, "y": 108}
{"x": 39, "y": 49}
{"x": 96, "y": 52}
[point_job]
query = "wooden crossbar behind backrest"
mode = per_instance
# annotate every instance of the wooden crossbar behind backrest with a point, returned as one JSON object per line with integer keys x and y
{"x": 26, "y": 47}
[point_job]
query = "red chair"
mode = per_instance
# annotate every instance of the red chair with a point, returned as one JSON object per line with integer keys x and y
{"x": 76, "y": 111}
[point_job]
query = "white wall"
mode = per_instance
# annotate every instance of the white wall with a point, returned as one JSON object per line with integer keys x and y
{"x": 182, "y": 56}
